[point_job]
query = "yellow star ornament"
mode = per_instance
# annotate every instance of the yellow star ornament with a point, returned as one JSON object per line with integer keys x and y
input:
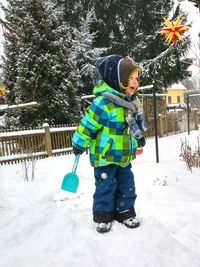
{"x": 173, "y": 30}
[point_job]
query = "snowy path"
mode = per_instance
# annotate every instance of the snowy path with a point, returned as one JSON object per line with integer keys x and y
{"x": 49, "y": 234}
{"x": 40, "y": 225}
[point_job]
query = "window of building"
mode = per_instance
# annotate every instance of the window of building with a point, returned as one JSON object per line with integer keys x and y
{"x": 178, "y": 99}
{"x": 169, "y": 99}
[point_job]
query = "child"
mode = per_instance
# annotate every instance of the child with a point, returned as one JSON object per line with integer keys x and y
{"x": 112, "y": 144}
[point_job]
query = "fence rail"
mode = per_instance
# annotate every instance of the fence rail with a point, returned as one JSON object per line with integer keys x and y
{"x": 41, "y": 143}
{"x": 23, "y": 145}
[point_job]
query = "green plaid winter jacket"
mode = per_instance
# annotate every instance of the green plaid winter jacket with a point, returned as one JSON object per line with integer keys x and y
{"x": 105, "y": 130}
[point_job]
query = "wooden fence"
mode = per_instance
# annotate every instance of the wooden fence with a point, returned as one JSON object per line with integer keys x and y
{"x": 27, "y": 144}
{"x": 173, "y": 123}
{"x": 23, "y": 145}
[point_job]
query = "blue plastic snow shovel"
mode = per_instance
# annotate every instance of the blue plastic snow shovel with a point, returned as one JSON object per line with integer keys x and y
{"x": 70, "y": 181}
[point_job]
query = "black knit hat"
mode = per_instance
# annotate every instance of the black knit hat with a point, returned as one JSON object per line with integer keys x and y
{"x": 127, "y": 68}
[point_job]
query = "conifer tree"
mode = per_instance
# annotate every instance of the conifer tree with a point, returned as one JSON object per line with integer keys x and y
{"x": 9, "y": 65}
{"x": 85, "y": 54}
{"x": 131, "y": 28}
{"x": 162, "y": 64}
{"x": 44, "y": 71}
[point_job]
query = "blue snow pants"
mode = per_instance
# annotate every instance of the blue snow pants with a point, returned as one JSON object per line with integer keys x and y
{"x": 115, "y": 196}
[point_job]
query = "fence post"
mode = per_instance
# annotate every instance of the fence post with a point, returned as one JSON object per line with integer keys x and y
{"x": 188, "y": 113}
{"x": 155, "y": 124}
{"x": 47, "y": 137}
{"x": 196, "y": 126}
{"x": 160, "y": 123}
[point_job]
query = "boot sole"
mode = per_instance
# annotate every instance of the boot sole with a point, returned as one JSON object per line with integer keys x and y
{"x": 136, "y": 225}
{"x": 102, "y": 231}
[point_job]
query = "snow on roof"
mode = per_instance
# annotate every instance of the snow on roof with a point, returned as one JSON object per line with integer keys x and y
{"x": 6, "y": 107}
{"x": 3, "y": 106}
{"x": 177, "y": 86}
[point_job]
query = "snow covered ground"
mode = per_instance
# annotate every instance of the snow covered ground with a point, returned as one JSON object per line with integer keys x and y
{"x": 41, "y": 225}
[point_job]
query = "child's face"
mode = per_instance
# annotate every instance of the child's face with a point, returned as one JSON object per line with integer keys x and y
{"x": 133, "y": 85}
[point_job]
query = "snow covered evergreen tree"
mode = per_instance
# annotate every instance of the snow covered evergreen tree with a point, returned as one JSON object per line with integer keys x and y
{"x": 43, "y": 69}
{"x": 131, "y": 28}
{"x": 9, "y": 65}
{"x": 162, "y": 64}
{"x": 85, "y": 54}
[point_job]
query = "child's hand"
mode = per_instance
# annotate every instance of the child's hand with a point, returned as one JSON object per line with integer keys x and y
{"x": 141, "y": 142}
{"x": 78, "y": 150}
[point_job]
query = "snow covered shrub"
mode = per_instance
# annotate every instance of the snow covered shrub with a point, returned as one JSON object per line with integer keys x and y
{"x": 28, "y": 166}
{"x": 189, "y": 155}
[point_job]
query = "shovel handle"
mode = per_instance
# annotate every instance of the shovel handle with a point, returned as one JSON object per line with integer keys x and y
{"x": 75, "y": 163}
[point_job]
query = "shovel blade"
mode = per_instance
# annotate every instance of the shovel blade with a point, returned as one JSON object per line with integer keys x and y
{"x": 70, "y": 182}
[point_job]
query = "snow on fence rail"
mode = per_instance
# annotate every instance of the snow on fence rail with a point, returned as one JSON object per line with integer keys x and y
{"x": 23, "y": 145}
{"x": 49, "y": 141}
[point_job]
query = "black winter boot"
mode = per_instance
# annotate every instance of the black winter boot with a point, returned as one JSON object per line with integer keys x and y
{"x": 103, "y": 227}
{"x": 128, "y": 218}
{"x": 131, "y": 222}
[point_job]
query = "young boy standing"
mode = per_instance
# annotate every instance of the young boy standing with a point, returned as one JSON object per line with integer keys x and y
{"x": 106, "y": 128}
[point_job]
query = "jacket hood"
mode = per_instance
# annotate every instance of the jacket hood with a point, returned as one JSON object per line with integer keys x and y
{"x": 108, "y": 68}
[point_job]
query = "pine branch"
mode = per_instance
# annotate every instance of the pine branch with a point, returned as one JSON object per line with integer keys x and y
{"x": 7, "y": 27}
